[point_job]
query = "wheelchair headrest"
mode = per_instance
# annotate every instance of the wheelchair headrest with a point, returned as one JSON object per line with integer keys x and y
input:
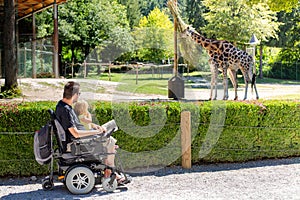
{"x": 52, "y": 114}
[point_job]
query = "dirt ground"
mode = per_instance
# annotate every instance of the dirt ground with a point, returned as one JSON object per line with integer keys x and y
{"x": 52, "y": 89}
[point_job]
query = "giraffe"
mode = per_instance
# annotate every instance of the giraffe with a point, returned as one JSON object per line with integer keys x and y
{"x": 224, "y": 56}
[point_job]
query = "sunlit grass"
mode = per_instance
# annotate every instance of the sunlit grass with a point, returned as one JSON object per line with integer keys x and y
{"x": 287, "y": 97}
{"x": 158, "y": 83}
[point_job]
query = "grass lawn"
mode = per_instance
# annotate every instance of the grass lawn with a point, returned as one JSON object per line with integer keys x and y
{"x": 158, "y": 83}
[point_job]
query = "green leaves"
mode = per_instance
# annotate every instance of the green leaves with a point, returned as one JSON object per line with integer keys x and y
{"x": 235, "y": 21}
{"x": 252, "y": 130}
{"x": 154, "y": 37}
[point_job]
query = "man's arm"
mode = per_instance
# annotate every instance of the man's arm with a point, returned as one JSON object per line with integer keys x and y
{"x": 82, "y": 133}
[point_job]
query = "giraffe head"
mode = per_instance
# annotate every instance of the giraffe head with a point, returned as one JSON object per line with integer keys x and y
{"x": 248, "y": 67}
{"x": 187, "y": 32}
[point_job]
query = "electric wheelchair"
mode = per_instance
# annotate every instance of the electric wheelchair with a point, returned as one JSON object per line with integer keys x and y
{"x": 81, "y": 168}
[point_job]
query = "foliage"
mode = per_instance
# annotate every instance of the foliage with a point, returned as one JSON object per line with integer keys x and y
{"x": 154, "y": 37}
{"x": 133, "y": 11}
{"x": 251, "y": 130}
{"x": 277, "y": 5}
{"x": 288, "y": 30}
{"x": 235, "y": 21}
{"x": 147, "y": 6}
{"x": 13, "y": 92}
{"x": 194, "y": 13}
{"x": 83, "y": 25}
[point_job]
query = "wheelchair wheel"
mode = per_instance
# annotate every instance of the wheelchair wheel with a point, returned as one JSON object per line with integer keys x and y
{"x": 109, "y": 187}
{"x": 80, "y": 180}
{"x": 47, "y": 184}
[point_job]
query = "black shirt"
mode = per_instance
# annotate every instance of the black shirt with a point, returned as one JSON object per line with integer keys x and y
{"x": 68, "y": 119}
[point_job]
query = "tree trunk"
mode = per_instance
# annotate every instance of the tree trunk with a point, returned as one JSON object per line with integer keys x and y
{"x": 9, "y": 44}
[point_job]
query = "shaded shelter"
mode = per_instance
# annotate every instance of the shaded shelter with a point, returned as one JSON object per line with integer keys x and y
{"x": 24, "y": 9}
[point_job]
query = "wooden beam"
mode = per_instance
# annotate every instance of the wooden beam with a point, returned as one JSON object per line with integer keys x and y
{"x": 55, "y": 40}
{"x": 186, "y": 149}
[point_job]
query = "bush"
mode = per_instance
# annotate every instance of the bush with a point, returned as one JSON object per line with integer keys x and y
{"x": 282, "y": 70}
{"x": 149, "y": 133}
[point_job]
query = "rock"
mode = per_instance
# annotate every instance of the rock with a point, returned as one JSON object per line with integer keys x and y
{"x": 33, "y": 178}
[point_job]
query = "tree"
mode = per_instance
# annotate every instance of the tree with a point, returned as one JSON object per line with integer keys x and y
{"x": 289, "y": 30}
{"x": 287, "y": 61}
{"x": 235, "y": 21}
{"x": 194, "y": 13}
{"x": 154, "y": 37}
{"x": 276, "y": 5}
{"x": 148, "y": 5}
{"x": 9, "y": 45}
{"x": 87, "y": 24}
{"x": 133, "y": 11}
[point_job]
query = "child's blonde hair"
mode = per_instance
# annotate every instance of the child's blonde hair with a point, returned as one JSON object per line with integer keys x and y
{"x": 81, "y": 107}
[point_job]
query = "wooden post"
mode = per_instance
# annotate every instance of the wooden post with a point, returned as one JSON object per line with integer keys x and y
{"x": 137, "y": 74}
{"x": 109, "y": 68}
{"x": 25, "y": 55}
{"x": 84, "y": 71}
{"x": 72, "y": 67}
{"x": 33, "y": 47}
{"x": 186, "y": 149}
{"x": 175, "y": 46}
{"x": 55, "y": 40}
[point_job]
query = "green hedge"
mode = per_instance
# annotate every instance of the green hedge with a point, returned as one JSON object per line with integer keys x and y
{"x": 149, "y": 132}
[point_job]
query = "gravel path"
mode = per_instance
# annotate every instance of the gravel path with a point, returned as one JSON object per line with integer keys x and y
{"x": 268, "y": 179}
{"x": 51, "y": 89}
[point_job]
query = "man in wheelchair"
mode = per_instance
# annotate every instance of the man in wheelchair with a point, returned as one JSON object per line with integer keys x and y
{"x": 74, "y": 129}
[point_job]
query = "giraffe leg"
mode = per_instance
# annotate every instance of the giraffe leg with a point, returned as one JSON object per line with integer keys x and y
{"x": 246, "y": 90}
{"x": 247, "y": 80}
{"x": 225, "y": 83}
{"x": 213, "y": 82}
{"x": 232, "y": 76}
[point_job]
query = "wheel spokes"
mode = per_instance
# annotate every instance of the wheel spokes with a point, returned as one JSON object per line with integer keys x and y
{"x": 80, "y": 181}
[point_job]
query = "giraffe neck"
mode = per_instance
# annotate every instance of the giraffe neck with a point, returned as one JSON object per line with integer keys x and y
{"x": 211, "y": 46}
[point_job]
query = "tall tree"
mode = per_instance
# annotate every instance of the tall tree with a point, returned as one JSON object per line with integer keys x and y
{"x": 276, "y": 5}
{"x": 9, "y": 45}
{"x": 148, "y": 5}
{"x": 133, "y": 11}
{"x": 195, "y": 10}
{"x": 289, "y": 32}
{"x": 154, "y": 36}
{"x": 86, "y": 24}
{"x": 290, "y": 40}
{"x": 235, "y": 21}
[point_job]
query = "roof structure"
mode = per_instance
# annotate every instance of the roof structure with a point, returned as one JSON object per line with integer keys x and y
{"x": 26, "y": 7}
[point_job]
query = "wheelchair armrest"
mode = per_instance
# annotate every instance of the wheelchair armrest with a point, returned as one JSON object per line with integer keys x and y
{"x": 86, "y": 137}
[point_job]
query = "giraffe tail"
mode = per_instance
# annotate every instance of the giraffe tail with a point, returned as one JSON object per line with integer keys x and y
{"x": 253, "y": 81}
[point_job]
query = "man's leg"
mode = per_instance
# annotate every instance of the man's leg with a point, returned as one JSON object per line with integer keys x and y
{"x": 110, "y": 160}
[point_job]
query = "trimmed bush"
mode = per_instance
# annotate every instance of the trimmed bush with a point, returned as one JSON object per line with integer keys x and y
{"x": 149, "y": 132}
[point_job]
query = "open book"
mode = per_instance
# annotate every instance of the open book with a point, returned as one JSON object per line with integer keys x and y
{"x": 110, "y": 127}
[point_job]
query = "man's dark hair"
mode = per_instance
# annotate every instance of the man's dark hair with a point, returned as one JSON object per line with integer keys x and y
{"x": 70, "y": 89}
